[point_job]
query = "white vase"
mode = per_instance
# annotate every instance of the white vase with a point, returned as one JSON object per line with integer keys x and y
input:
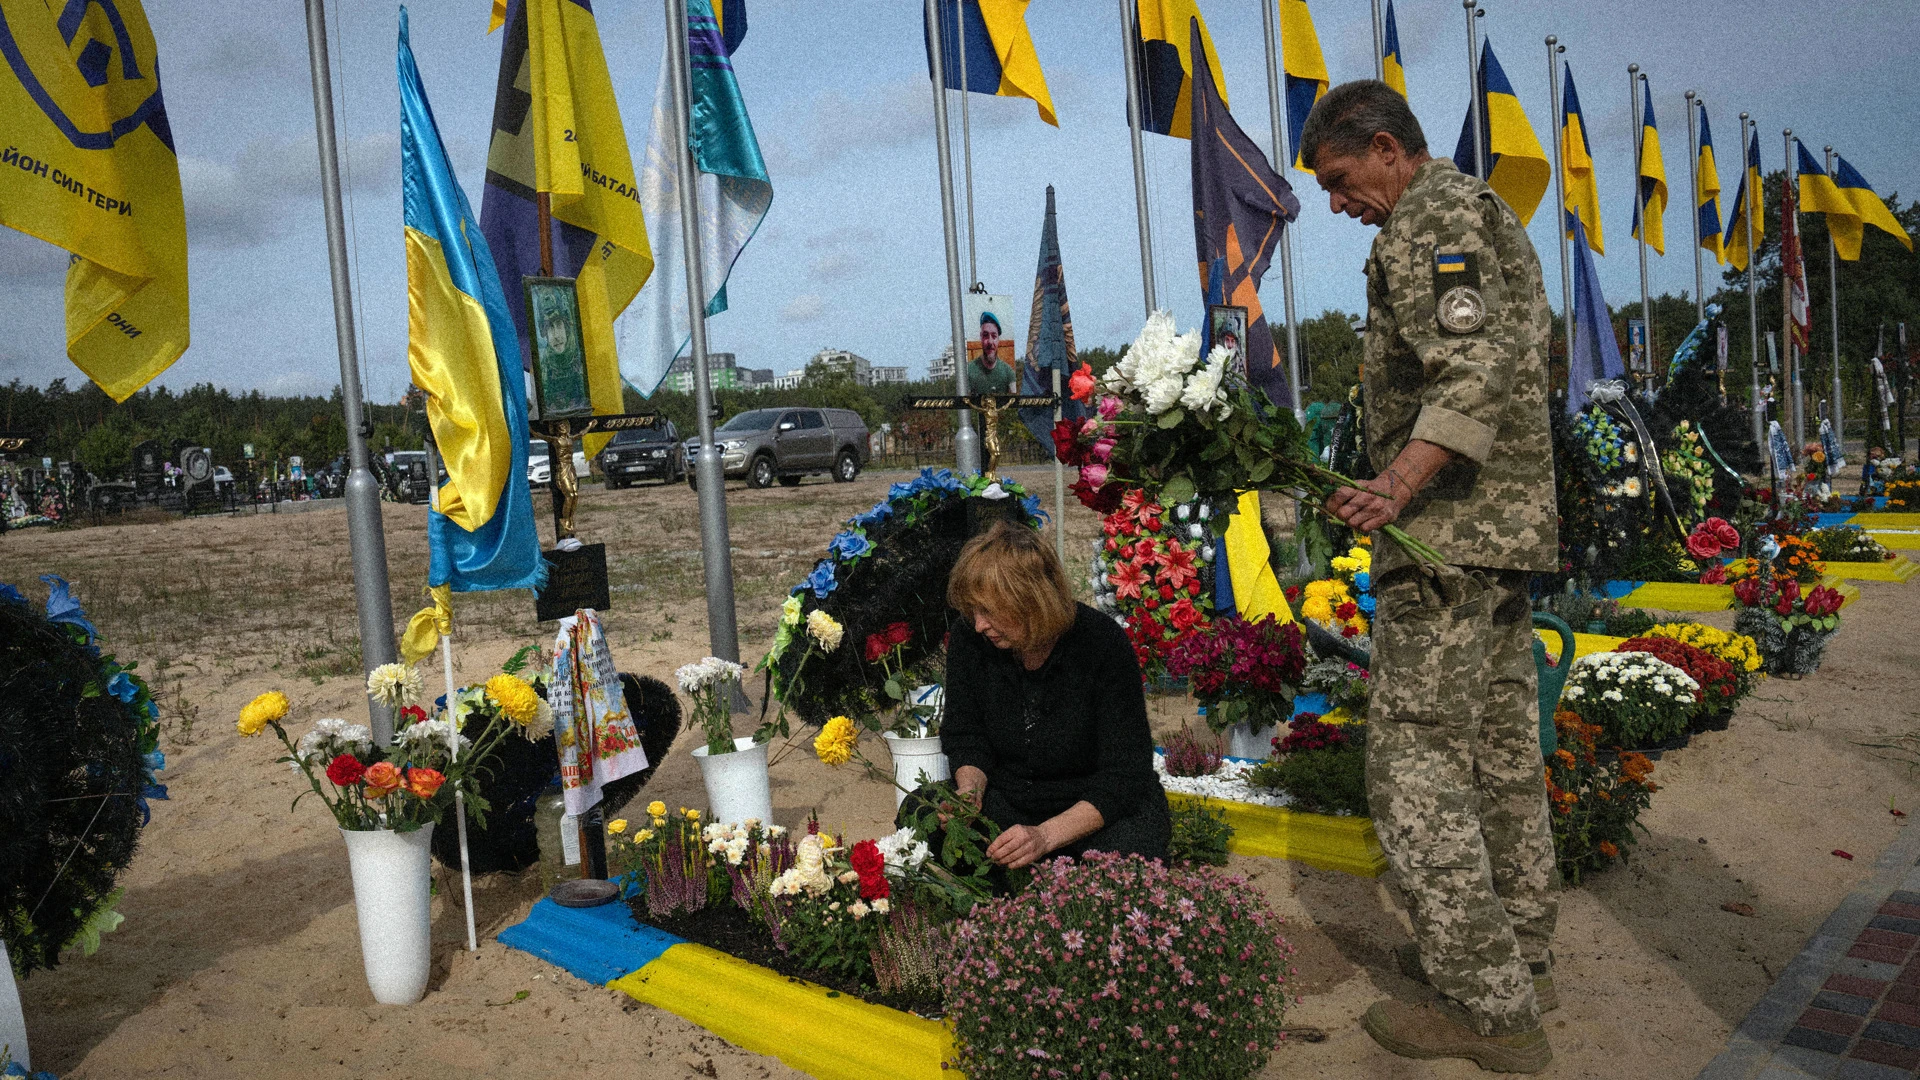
{"x": 13, "y": 1023}
{"x": 737, "y": 783}
{"x": 913, "y": 759}
{"x": 1247, "y": 741}
{"x": 392, "y": 888}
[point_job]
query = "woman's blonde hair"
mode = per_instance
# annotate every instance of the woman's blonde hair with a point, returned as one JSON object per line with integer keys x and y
{"x": 1011, "y": 572}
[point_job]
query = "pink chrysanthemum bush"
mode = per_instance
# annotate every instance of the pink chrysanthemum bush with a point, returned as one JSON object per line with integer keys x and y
{"x": 1116, "y": 967}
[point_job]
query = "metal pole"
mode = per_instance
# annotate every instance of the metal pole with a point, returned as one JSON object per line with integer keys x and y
{"x": 1281, "y": 158}
{"x": 1638, "y": 120}
{"x": 966, "y": 441}
{"x": 1554, "y": 49}
{"x": 453, "y": 725}
{"x": 1833, "y": 311}
{"x": 716, "y": 547}
{"x": 365, "y": 539}
{"x": 1474, "y": 97}
{"x": 966, "y": 144}
{"x": 1693, "y": 200}
{"x": 1059, "y": 480}
{"x": 1798, "y": 413}
{"x": 1139, "y": 158}
{"x": 1379, "y": 40}
{"x": 1753, "y": 199}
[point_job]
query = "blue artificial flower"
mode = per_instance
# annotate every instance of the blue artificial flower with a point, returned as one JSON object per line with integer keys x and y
{"x": 850, "y": 545}
{"x": 1363, "y": 581}
{"x": 123, "y": 687}
{"x": 942, "y": 481}
{"x": 155, "y": 760}
{"x": 821, "y": 581}
{"x": 903, "y": 491}
{"x": 875, "y": 516}
{"x": 1031, "y": 504}
{"x": 1366, "y": 603}
{"x": 11, "y": 595}
{"x": 63, "y": 608}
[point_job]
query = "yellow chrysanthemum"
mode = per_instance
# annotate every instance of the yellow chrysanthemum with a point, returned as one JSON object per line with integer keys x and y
{"x": 1338, "y": 716}
{"x": 261, "y": 711}
{"x": 834, "y": 744}
{"x": 515, "y": 699}
{"x": 1322, "y": 589}
{"x": 617, "y": 826}
{"x": 1317, "y": 608}
{"x": 656, "y": 808}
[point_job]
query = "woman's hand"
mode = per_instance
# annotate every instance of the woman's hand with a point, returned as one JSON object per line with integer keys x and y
{"x": 969, "y": 782}
{"x": 1021, "y": 845}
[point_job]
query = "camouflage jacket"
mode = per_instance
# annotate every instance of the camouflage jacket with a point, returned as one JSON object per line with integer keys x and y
{"x": 1456, "y": 354}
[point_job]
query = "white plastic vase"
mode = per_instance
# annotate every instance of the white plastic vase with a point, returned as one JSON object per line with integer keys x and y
{"x": 13, "y": 1023}
{"x": 737, "y": 786}
{"x": 911, "y": 758}
{"x": 392, "y": 888}
{"x": 1247, "y": 741}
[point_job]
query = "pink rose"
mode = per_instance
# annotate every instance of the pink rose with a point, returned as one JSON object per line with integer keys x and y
{"x": 1109, "y": 407}
{"x": 1102, "y": 451}
{"x": 1095, "y": 475}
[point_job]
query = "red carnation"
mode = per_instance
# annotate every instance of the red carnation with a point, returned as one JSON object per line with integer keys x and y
{"x": 872, "y": 868}
{"x": 345, "y": 770}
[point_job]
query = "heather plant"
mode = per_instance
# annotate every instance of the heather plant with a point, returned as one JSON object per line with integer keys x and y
{"x": 911, "y": 951}
{"x": 1117, "y": 966}
{"x": 1189, "y": 755}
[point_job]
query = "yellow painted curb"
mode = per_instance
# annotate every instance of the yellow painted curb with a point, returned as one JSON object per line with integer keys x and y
{"x": 1583, "y": 644}
{"x": 1346, "y": 844}
{"x": 1848, "y": 593}
{"x": 1680, "y": 596}
{"x": 824, "y": 1034}
{"x": 1900, "y": 569}
{"x": 1898, "y": 541}
{"x": 1886, "y": 519}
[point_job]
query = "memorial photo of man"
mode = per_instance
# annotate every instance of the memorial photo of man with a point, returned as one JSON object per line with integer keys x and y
{"x": 1455, "y": 382}
{"x": 988, "y": 372}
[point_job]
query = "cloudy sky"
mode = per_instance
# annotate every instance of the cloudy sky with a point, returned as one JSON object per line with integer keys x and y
{"x": 850, "y": 255}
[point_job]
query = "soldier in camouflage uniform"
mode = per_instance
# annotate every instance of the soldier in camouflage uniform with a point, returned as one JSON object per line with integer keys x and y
{"x": 1455, "y": 376}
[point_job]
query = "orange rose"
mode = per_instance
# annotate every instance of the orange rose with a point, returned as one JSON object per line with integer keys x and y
{"x": 382, "y": 780}
{"x": 422, "y": 783}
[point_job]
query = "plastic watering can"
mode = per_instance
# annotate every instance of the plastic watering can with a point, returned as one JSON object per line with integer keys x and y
{"x": 1553, "y": 678}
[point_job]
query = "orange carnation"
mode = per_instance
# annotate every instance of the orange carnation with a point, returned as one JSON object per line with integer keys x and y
{"x": 422, "y": 783}
{"x": 1607, "y": 849}
{"x": 382, "y": 779}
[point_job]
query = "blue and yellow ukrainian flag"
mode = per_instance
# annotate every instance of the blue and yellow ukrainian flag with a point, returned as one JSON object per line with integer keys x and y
{"x": 1305, "y": 77}
{"x": 89, "y": 166}
{"x": 1818, "y": 195}
{"x": 998, "y": 58}
{"x": 1653, "y": 181}
{"x": 464, "y": 354}
{"x": 1392, "y": 71}
{"x": 1871, "y": 208}
{"x": 1576, "y": 156}
{"x": 1517, "y": 167}
{"x": 1162, "y": 55}
{"x": 1706, "y": 195}
{"x": 1746, "y": 206}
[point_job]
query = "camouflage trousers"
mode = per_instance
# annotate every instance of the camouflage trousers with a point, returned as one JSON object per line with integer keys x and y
{"x": 1455, "y": 783}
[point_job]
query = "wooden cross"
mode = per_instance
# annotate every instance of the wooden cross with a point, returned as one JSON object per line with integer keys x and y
{"x": 990, "y": 405}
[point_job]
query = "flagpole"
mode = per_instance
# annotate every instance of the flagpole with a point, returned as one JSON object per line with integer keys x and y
{"x": 1059, "y": 478}
{"x": 966, "y": 442}
{"x": 1798, "y": 413}
{"x": 966, "y": 142}
{"x": 716, "y": 551}
{"x": 366, "y": 542}
{"x": 1281, "y": 159}
{"x": 1637, "y": 118}
{"x": 1753, "y": 198}
{"x": 1833, "y": 310}
{"x": 1554, "y": 49}
{"x": 453, "y": 728}
{"x": 1139, "y": 159}
{"x": 1379, "y": 39}
{"x": 1475, "y": 99}
{"x": 1693, "y": 200}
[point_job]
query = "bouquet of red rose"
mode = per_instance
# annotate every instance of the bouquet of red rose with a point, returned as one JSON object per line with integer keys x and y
{"x": 1243, "y": 672}
{"x": 1711, "y": 537}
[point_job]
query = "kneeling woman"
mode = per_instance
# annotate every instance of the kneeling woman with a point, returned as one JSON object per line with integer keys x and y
{"x": 1046, "y": 720}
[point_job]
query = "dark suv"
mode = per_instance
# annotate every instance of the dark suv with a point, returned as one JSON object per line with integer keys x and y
{"x": 643, "y": 454}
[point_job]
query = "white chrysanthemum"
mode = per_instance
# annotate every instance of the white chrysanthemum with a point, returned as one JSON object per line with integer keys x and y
{"x": 331, "y": 737}
{"x": 1613, "y": 695}
{"x": 1203, "y": 391}
{"x": 708, "y": 673}
{"x": 1155, "y": 366}
{"x": 824, "y": 629}
{"x": 395, "y": 685}
{"x": 542, "y": 724}
{"x": 902, "y": 852}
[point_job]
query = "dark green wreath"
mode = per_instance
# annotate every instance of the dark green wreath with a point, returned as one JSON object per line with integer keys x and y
{"x": 889, "y": 566}
{"x": 77, "y": 750}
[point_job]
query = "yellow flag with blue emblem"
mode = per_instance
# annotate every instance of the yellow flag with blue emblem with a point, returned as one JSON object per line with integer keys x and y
{"x": 89, "y": 165}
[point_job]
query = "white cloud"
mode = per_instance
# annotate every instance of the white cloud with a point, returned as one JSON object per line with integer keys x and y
{"x": 836, "y": 264}
{"x": 243, "y": 202}
{"x": 807, "y": 307}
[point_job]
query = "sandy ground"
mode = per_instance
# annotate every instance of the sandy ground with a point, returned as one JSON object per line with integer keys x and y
{"x": 239, "y": 956}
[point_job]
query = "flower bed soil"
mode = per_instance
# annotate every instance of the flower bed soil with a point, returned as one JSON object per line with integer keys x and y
{"x": 725, "y": 928}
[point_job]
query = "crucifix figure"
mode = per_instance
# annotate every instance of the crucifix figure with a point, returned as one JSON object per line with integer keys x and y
{"x": 991, "y": 406}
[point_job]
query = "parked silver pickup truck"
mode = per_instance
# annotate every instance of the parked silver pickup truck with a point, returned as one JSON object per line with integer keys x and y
{"x": 764, "y": 445}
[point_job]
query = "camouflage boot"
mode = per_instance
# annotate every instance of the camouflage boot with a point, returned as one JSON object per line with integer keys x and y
{"x": 1544, "y": 995}
{"x": 1429, "y": 1031}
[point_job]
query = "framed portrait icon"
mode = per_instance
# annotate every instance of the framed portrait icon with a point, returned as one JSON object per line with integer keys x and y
{"x": 1227, "y": 325}
{"x": 559, "y": 357}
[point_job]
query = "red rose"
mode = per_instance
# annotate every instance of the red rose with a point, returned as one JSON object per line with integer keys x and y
{"x": 1193, "y": 587}
{"x": 1184, "y": 614}
{"x": 1714, "y": 575}
{"x": 412, "y": 714}
{"x": 1150, "y": 602}
{"x": 1151, "y": 524}
{"x": 345, "y": 770}
{"x": 876, "y": 647}
{"x": 1080, "y": 384}
{"x": 898, "y": 633}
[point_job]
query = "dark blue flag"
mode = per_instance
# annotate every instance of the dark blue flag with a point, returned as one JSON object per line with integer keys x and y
{"x": 1240, "y": 207}
{"x": 1049, "y": 336}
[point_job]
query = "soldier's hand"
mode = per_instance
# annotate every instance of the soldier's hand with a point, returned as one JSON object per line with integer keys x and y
{"x": 1373, "y": 505}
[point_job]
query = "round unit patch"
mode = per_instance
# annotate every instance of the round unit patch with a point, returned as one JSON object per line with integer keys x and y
{"x": 1461, "y": 310}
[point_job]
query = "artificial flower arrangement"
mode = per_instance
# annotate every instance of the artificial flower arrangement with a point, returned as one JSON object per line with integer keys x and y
{"x": 1689, "y": 473}
{"x": 1718, "y": 686}
{"x": 1185, "y": 427}
{"x": 1594, "y": 803}
{"x": 411, "y": 783}
{"x": 1638, "y": 700}
{"x": 1790, "y": 625}
{"x": 1242, "y": 672}
{"x": 892, "y": 559}
{"x": 1149, "y": 571}
{"x": 1320, "y": 764}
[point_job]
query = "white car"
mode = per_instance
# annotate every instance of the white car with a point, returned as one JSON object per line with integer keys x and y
{"x": 540, "y": 472}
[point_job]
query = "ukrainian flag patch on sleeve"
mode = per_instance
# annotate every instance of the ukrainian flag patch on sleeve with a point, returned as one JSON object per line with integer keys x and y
{"x": 1454, "y": 263}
